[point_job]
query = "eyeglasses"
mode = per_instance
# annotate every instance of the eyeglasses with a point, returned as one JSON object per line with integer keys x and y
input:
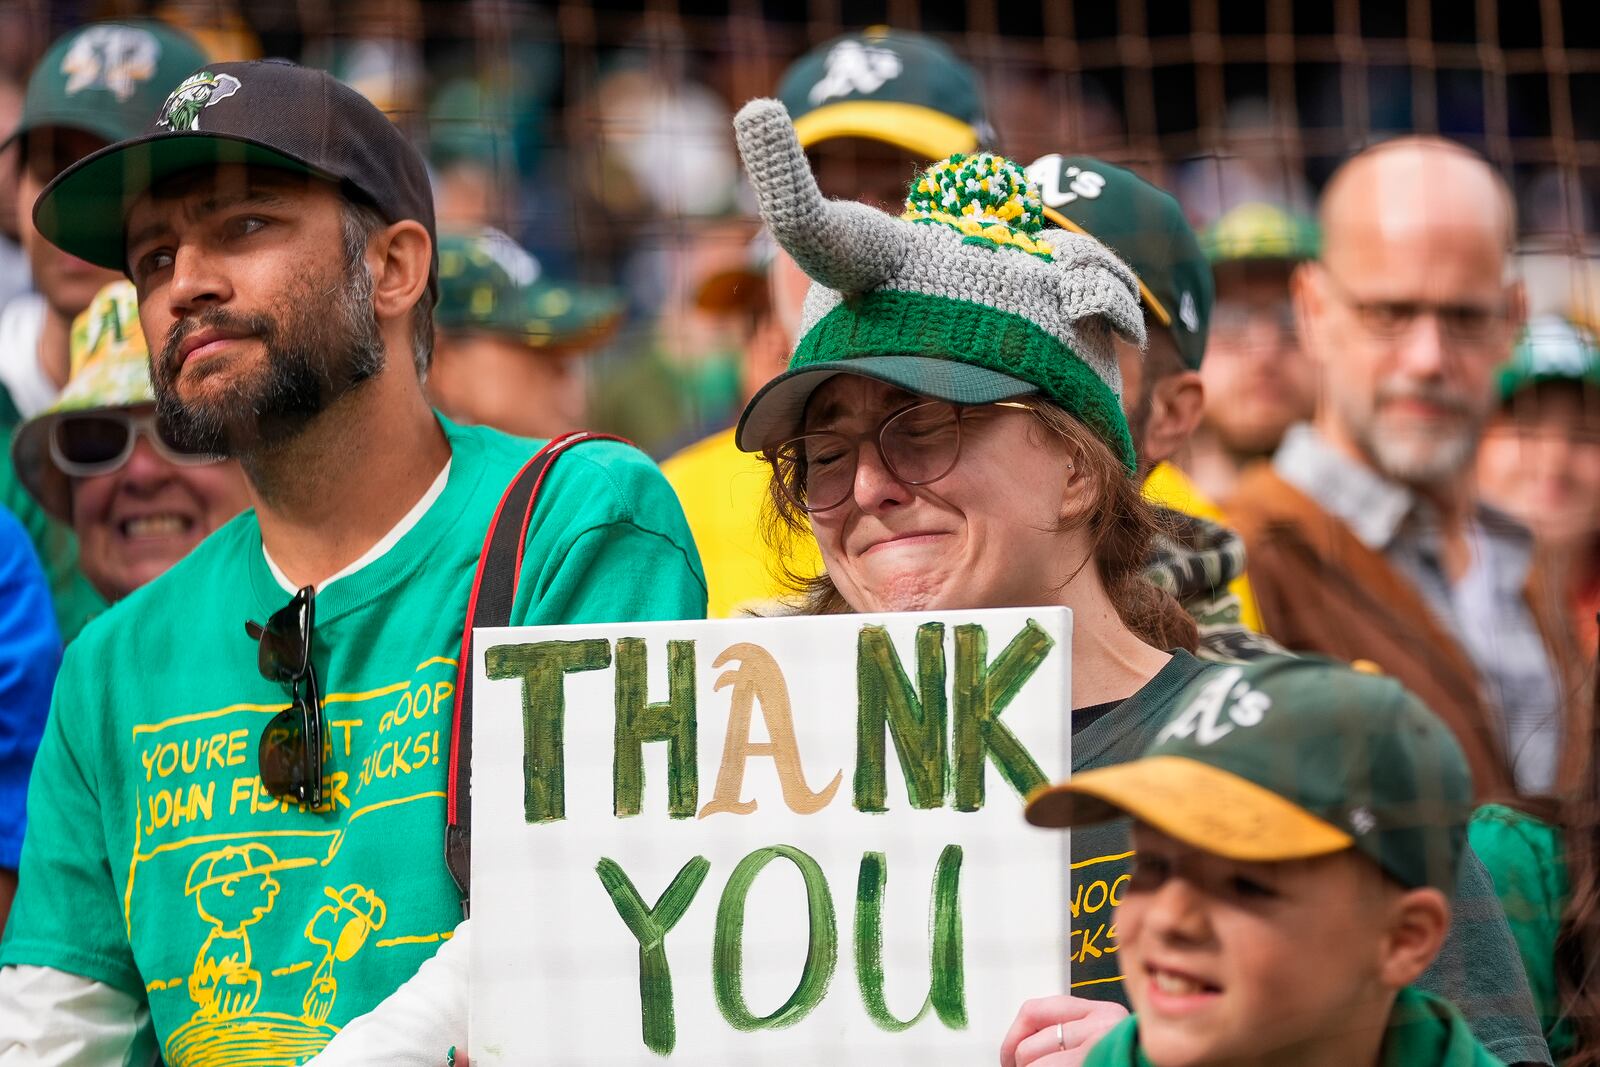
{"x": 290, "y": 755}
{"x": 919, "y": 444}
{"x": 1390, "y": 320}
{"x": 87, "y": 444}
{"x": 1236, "y": 322}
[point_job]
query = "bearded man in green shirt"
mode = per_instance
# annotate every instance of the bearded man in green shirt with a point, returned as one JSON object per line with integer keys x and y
{"x": 186, "y": 873}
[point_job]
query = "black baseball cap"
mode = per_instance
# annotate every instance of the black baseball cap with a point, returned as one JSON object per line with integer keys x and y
{"x": 267, "y": 113}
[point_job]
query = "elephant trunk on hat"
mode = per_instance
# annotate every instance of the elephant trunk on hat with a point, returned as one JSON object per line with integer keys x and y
{"x": 966, "y": 275}
{"x": 841, "y": 244}
{"x": 1080, "y": 295}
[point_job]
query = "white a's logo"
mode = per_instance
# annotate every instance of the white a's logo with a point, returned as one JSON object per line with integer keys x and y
{"x": 115, "y": 58}
{"x": 1060, "y": 185}
{"x": 1203, "y": 719}
{"x": 855, "y": 68}
{"x": 1188, "y": 314}
{"x": 516, "y": 261}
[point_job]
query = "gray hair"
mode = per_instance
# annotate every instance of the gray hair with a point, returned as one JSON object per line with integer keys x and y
{"x": 357, "y": 224}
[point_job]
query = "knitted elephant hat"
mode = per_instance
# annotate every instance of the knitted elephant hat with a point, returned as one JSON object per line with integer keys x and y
{"x": 965, "y": 297}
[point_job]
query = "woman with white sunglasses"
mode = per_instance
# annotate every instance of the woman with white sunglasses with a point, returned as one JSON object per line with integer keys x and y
{"x": 96, "y": 459}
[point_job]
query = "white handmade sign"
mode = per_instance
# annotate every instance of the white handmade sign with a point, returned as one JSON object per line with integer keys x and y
{"x": 771, "y": 841}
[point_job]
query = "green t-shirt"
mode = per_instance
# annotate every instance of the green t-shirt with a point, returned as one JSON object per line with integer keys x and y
{"x": 156, "y": 863}
{"x": 75, "y": 600}
{"x": 1423, "y": 1031}
{"x": 1527, "y": 861}
{"x": 1478, "y": 971}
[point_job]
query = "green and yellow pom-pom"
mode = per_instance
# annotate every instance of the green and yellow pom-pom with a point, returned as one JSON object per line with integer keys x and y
{"x": 984, "y": 197}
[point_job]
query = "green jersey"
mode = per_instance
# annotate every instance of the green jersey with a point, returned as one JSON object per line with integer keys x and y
{"x": 75, "y": 600}
{"x": 1423, "y": 1031}
{"x": 1479, "y": 970}
{"x": 254, "y": 927}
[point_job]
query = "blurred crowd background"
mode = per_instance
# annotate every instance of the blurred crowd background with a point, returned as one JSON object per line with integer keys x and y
{"x": 598, "y": 134}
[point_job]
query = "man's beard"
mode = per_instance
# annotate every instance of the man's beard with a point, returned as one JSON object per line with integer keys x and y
{"x": 1423, "y": 459}
{"x": 317, "y": 350}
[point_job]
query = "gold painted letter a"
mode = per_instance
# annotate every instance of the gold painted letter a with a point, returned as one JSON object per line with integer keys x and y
{"x": 758, "y": 677}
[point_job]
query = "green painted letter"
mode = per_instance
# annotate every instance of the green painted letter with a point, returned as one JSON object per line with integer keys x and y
{"x": 982, "y": 692}
{"x": 650, "y": 926}
{"x": 947, "y": 989}
{"x": 672, "y": 721}
{"x": 727, "y": 975}
{"x": 885, "y": 701}
{"x": 541, "y": 667}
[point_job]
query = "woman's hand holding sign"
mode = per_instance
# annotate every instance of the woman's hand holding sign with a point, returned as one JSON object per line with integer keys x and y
{"x": 1058, "y": 1031}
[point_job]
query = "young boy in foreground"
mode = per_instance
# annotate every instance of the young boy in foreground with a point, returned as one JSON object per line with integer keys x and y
{"x": 1298, "y": 828}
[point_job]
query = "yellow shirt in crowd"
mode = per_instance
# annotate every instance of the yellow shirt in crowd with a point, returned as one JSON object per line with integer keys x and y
{"x": 724, "y": 491}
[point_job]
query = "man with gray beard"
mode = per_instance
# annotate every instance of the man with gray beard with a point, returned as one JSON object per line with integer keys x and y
{"x": 1364, "y": 535}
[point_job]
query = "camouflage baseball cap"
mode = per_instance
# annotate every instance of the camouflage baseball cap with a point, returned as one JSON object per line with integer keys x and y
{"x": 904, "y": 89}
{"x": 1261, "y": 233}
{"x": 1146, "y": 228}
{"x": 491, "y": 284}
{"x": 106, "y": 78}
{"x": 1551, "y": 349}
{"x": 1291, "y": 758}
{"x": 110, "y": 368}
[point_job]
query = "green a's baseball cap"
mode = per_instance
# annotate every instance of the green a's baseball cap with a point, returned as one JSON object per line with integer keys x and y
{"x": 1261, "y": 233}
{"x": 488, "y": 283}
{"x": 106, "y": 78}
{"x": 900, "y": 88}
{"x": 1286, "y": 759}
{"x": 1146, "y": 228}
{"x": 1551, "y": 349}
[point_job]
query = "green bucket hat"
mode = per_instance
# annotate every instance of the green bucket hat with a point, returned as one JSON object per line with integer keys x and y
{"x": 1146, "y": 227}
{"x": 490, "y": 284}
{"x": 1261, "y": 233}
{"x": 1551, "y": 349}
{"x": 1291, "y": 758}
{"x": 110, "y": 368}
{"x": 903, "y": 89}
{"x": 106, "y": 79}
{"x": 965, "y": 297}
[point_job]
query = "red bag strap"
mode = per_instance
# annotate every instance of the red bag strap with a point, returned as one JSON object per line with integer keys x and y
{"x": 494, "y": 591}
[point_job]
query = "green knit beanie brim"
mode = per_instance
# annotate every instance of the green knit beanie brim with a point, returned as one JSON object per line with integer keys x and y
{"x": 953, "y": 350}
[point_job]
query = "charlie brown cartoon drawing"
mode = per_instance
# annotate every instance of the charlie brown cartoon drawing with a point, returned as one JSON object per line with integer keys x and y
{"x": 232, "y": 889}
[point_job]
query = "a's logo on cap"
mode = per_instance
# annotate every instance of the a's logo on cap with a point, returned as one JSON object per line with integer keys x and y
{"x": 516, "y": 261}
{"x": 853, "y": 67}
{"x": 181, "y": 112}
{"x": 1188, "y": 314}
{"x": 114, "y": 58}
{"x": 1060, "y": 185}
{"x": 1223, "y": 704}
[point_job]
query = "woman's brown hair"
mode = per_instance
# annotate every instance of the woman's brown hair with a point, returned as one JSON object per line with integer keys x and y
{"x": 1122, "y": 527}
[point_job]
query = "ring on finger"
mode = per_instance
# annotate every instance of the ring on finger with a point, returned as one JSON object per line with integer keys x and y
{"x": 1061, "y": 1037}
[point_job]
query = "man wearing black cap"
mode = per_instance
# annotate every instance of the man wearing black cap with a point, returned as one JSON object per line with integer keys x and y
{"x": 239, "y": 800}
